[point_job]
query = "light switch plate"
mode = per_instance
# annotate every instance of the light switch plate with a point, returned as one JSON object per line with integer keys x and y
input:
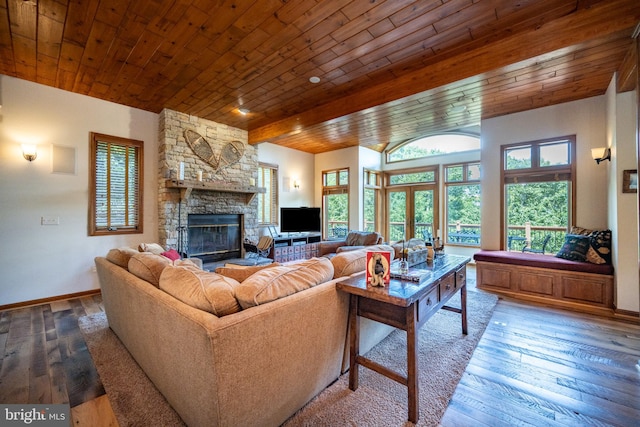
{"x": 50, "y": 220}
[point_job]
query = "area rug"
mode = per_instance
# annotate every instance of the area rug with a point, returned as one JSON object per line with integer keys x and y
{"x": 443, "y": 356}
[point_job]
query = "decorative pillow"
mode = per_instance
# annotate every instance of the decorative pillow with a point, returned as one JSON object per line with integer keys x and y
{"x": 121, "y": 256}
{"x": 600, "y": 247}
{"x": 580, "y": 230}
{"x": 201, "y": 289}
{"x": 600, "y": 250}
{"x": 172, "y": 254}
{"x": 148, "y": 266}
{"x": 270, "y": 284}
{"x": 240, "y": 273}
{"x": 154, "y": 248}
{"x": 575, "y": 247}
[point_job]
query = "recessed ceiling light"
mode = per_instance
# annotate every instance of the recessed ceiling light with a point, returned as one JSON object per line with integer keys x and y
{"x": 243, "y": 111}
{"x": 314, "y": 79}
{"x": 457, "y": 108}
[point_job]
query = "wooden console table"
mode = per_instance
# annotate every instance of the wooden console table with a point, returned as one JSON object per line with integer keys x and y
{"x": 405, "y": 305}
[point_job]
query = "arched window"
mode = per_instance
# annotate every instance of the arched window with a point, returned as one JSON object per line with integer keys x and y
{"x": 434, "y": 145}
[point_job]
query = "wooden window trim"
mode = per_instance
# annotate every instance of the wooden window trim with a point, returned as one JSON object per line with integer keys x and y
{"x": 94, "y": 138}
{"x": 539, "y": 174}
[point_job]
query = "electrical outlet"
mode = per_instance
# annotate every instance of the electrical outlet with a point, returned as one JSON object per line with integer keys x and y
{"x": 50, "y": 220}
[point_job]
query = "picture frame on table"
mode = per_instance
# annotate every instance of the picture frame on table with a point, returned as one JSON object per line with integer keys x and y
{"x": 630, "y": 181}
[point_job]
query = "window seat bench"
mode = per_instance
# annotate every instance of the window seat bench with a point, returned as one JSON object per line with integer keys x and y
{"x": 546, "y": 279}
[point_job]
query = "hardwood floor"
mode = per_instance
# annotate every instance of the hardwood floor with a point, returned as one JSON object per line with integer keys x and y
{"x": 548, "y": 367}
{"x": 533, "y": 366}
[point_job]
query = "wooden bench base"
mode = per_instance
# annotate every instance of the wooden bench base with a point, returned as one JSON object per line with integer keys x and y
{"x": 585, "y": 292}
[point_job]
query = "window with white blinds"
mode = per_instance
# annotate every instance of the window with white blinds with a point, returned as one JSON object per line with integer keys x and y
{"x": 116, "y": 185}
{"x": 268, "y": 201}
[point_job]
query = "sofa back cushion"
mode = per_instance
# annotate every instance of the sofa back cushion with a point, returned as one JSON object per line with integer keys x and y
{"x": 350, "y": 262}
{"x": 363, "y": 238}
{"x": 121, "y": 256}
{"x": 240, "y": 273}
{"x": 270, "y": 284}
{"x": 148, "y": 266}
{"x": 201, "y": 289}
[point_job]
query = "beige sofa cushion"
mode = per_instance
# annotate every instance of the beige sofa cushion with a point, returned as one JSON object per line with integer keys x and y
{"x": 350, "y": 262}
{"x": 240, "y": 273}
{"x": 270, "y": 284}
{"x": 121, "y": 256}
{"x": 148, "y": 266}
{"x": 201, "y": 289}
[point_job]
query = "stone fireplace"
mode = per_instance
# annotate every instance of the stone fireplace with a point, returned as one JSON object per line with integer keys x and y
{"x": 224, "y": 192}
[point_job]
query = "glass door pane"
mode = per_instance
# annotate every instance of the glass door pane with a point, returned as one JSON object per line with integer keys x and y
{"x": 423, "y": 208}
{"x": 397, "y": 214}
{"x": 336, "y": 216}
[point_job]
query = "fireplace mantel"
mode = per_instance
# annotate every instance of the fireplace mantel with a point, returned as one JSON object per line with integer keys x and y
{"x": 187, "y": 186}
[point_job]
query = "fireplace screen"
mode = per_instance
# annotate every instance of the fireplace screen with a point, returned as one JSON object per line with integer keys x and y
{"x": 214, "y": 237}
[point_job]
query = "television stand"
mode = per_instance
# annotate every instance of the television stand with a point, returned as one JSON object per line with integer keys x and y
{"x": 294, "y": 247}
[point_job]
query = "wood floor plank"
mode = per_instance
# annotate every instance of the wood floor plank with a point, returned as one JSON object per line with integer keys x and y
{"x": 57, "y": 377}
{"x": 94, "y": 413}
{"x": 584, "y": 379}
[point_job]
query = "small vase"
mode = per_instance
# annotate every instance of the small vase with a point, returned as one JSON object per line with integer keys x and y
{"x": 404, "y": 266}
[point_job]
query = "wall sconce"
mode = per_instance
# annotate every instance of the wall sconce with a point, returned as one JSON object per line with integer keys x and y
{"x": 29, "y": 152}
{"x": 296, "y": 184}
{"x": 600, "y": 154}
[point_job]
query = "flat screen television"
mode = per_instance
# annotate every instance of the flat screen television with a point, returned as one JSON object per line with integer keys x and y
{"x": 300, "y": 220}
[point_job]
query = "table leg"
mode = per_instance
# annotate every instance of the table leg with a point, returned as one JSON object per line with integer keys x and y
{"x": 354, "y": 332}
{"x": 463, "y": 307}
{"x": 412, "y": 358}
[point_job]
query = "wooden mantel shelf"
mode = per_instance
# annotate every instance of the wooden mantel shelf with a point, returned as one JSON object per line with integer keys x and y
{"x": 187, "y": 186}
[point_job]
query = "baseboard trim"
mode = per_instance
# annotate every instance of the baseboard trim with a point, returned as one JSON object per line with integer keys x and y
{"x": 627, "y": 316}
{"x": 49, "y": 300}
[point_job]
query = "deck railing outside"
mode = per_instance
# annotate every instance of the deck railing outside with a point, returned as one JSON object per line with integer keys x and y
{"x": 467, "y": 234}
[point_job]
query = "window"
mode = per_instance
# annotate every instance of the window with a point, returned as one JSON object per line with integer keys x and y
{"x": 538, "y": 192}
{"x": 115, "y": 185}
{"x": 372, "y": 200}
{"x": 268, "y": 201}
{"x": 462, "y": 193}
{"x": 434, "y": 145}
{"x": 335, "y": 203}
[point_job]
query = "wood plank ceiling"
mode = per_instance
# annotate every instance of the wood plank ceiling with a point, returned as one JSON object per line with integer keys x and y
{"x": 389, "y": 70}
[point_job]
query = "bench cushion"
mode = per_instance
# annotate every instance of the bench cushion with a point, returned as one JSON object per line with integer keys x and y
{"x": 542, "y": 261}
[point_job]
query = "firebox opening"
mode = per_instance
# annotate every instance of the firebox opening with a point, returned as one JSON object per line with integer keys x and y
{"x": 215, "y": 237}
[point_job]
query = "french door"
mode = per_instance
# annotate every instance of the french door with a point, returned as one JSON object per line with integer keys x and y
{"x": 411, "y": 211}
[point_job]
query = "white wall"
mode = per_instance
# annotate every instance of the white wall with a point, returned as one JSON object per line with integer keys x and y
{"x": 292, "y": 165}
{"x": 622, "y": 207}
{"x": 38, "y": 261}
{"x": 339, "y": 159}
{"x": 585, "y": 119}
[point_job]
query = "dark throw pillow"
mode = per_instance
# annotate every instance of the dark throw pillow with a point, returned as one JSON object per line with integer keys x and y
{"x": 600, "y": 251}
{"x": 575, "y": 247}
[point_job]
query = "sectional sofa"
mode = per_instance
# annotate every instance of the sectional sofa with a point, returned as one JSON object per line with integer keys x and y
{"x": 239, "y": 347}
